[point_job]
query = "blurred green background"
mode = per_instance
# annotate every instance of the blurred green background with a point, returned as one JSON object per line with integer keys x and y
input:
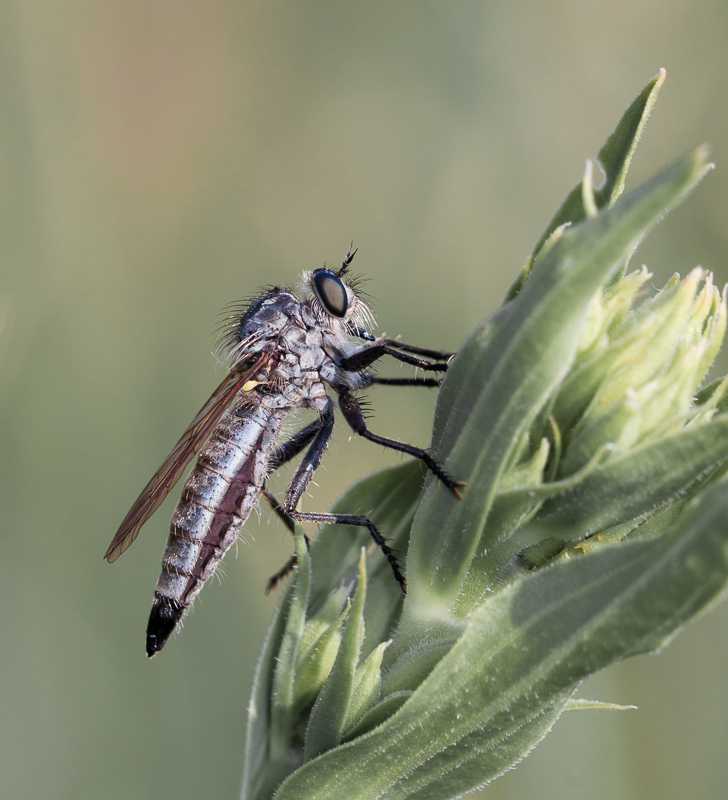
{"x": 160, "y": 159}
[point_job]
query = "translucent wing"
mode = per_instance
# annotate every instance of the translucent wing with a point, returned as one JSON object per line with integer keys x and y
{"x": 170, "y": 472}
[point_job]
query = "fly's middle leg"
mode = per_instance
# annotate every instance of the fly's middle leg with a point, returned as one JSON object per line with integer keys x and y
{"x": 302, "y": 477}
{"x": 351, "y": 409}
{"x": 431, "y": 382}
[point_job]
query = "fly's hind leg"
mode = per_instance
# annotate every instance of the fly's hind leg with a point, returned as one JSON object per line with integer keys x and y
{"x": 293, "y": 446}
{"x": 289, "y": 522}
{"x": 302, "y": 477}
{"x": 358, "y": 521}
{"x": 278, "y": 509}
{"x": 288, "y": 450}
{"x": 282, "y": 574}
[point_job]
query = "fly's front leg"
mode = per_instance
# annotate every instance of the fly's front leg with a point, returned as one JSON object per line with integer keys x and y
{"x": 439, "y": 355}
{"x": 302, "y": 477}
{"x": 352, "y": 412}
{"x": 365, "y": 357}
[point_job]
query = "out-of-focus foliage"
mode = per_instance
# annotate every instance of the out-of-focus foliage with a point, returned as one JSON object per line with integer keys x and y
{"x": 159, "y": 160}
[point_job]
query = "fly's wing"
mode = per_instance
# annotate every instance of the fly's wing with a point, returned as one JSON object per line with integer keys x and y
{"x": 170, "y": 472}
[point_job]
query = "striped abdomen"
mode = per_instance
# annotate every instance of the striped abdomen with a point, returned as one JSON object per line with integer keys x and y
{"x": 217, "y": 498}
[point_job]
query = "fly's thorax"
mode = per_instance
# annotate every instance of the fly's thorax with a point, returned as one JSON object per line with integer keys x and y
{"x": 303, "y": 349}
{"x": 336, "y": 347}
{"x": 335, "y": 376}
{"x": 291, "y": 386}
{"x": 268, "y": 314}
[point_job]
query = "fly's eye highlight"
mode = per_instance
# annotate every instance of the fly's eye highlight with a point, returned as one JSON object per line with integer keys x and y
{"x": 331, "y": 292}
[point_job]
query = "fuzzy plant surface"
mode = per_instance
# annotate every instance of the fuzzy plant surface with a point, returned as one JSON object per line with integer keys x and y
{"x": 594, "y": 524}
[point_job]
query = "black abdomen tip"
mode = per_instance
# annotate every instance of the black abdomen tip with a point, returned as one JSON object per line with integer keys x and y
{"x": 162, "y": 621}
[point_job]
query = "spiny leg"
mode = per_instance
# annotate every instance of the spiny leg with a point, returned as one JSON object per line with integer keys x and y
{"x": 289, "y": 522}
{"x": 302, "y": 477}
{"x": 406, "y": 381}
{"x": 351, "y": 409}
{"x": 293, "y": 446}
{"x": 362, "y": 522}
{"x": 285, "y": 452}
{"x": 282, "y": 574}
{"x": 440, "y": 355}
{"x": 278, "y": 509}
{"x": 368, "y": 354}
{"x": 288, "y": 567}
{"x": 311, "y": 460}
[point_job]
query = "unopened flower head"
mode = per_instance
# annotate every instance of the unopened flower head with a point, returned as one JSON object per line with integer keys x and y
{"x": 639, "y": 365}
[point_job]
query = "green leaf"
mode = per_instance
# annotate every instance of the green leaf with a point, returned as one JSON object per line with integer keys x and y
{"x": 636, "y": 481}
{"x": 389, "y": 497}
{"x": 257, "y": 768}
{"x": 500, "y": 688}
{"x": 393, "y": 494}
{"x": 375, "y": 716}
{"x": 510, "y": 606}
{"x": 270, "y": 755}
{"x": 595, "y": 705}
{"x": 288, "y": 654}
{"x": 316, "y": 661}
{"x": 616, "y": 153}
{"x": 329, "y": 716}
{"x": 504, "y": 375}
{"x": 615, "y": 157}
{"x": 367, "y": 682}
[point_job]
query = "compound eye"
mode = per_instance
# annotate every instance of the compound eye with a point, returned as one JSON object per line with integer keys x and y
{"x": 331, "y": 292}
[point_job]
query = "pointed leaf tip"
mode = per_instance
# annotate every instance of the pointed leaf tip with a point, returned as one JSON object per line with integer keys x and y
{"x": 579, "y": 704}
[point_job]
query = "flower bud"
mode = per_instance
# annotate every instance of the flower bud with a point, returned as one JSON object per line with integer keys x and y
{"x": 651, "y": 359}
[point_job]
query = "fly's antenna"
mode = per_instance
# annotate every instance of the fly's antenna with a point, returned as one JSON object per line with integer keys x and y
{"x": 347, "y": 261}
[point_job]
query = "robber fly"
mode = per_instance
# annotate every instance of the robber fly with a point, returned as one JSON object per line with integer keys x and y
{"x": 285, "y": 349}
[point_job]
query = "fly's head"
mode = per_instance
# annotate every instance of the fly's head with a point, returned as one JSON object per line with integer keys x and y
{"x": 331, "y": 302}
{"x": 334, "y": 300}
